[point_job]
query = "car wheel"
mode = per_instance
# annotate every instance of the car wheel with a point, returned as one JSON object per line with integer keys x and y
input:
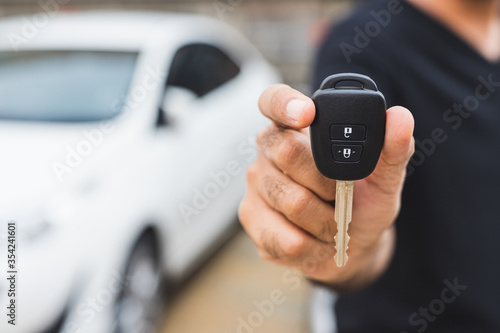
{"x": 139, "y": 303}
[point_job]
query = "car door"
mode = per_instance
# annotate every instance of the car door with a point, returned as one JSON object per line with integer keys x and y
{"x": 202, "y": 125}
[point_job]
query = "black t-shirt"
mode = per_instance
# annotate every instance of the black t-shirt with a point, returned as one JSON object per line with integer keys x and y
{"x": 445, "y": 275}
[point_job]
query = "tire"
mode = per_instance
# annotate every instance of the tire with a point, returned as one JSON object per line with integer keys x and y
{"x": 139, "y": 304}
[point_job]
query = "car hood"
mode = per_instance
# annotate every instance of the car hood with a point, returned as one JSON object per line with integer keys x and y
{"x": 30, "y": 154}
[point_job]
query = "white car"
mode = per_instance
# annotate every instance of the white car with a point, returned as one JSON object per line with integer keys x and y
{"x": 124, "y": 138}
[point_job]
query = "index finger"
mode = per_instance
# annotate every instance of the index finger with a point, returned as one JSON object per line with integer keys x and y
{"x": 287, "y": 107}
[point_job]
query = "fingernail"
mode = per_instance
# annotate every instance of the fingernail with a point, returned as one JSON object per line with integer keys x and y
{"x": 295, "y": 108}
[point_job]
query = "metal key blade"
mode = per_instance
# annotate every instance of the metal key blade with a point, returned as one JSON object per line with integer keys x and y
{"x": 343, "y": 215}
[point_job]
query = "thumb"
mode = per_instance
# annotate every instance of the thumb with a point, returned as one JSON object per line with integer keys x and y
{"x": 398, "y": 148}
{"x": 287, "y": 107}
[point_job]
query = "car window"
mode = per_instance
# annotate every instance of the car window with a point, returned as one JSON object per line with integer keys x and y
{"x": 63, "y": 86}
{"x": 201, "y": 68}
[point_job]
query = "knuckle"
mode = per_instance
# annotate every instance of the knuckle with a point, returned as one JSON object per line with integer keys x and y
{"x": 275, "y": 191}
{"x": 290, "y": 151}
{"x": 261, "y": 138}
{"x": 326, "y": 232}
{"x": 271, "y": 248}
{"x": 252, "y": 173}
{"x": 298, "y": 204}
{"x": 264, "y": 255}
{"x": 295, "y": 247}
{"x": 268, "y": 137}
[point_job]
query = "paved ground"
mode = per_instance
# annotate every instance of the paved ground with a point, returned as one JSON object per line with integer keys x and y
{"x": 234, "y": 293}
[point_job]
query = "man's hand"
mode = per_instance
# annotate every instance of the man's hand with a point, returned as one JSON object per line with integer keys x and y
{"x": 288, "y": 209}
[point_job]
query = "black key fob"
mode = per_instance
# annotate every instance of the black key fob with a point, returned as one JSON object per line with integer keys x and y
{"x": 348, "y": 131}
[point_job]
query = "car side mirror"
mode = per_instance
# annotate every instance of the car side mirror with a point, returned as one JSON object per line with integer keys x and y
{"x": 176, "y": 102}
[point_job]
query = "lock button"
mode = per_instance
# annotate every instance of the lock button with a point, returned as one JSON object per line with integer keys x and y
{"x": 347, "y": 153}
{"x": 348, "y": 132}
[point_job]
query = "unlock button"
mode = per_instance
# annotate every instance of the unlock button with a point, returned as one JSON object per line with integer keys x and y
{"x": 347, "y": 153}
{"x": 348, "y": 132}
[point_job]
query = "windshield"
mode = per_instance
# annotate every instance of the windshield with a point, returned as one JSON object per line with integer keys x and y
{"x": 63, "y": 86}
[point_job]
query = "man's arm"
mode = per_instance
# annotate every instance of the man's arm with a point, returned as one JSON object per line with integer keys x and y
{"x": 288, "y": 209}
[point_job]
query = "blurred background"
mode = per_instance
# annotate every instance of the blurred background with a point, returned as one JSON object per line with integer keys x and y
{"x": 125, "y": 129}
{"x": 285, "y": 31}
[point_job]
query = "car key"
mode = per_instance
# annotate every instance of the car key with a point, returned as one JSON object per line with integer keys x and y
{"x": 347, "y": 136}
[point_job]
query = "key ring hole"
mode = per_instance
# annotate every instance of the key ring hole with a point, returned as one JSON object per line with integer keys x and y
{"x": 348, "y": 81}
{"x": 349, "y": 84}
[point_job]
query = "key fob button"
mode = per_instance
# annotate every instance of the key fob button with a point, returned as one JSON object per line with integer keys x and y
{"x": 348, "y": 132}
{"x": 347, "y": 153}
